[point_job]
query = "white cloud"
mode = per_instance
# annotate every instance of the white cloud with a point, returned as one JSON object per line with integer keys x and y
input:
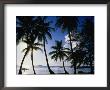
{"x": 67, "y": 43}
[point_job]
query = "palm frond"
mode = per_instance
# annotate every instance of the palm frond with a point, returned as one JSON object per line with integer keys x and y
{"x": 54, "y": 57}
{"x": 26, "y": 41}
{"x": 26, "y": 50}
{"x": 53, "y": 52}
{"x": 49, "y": 35}
{"x": 54, "y": 47}
{"x": 37, "y": 48}
{"x": 38, "y": 44}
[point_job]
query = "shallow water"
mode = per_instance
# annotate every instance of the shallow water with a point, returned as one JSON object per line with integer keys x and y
{"x": 56, "y": 69}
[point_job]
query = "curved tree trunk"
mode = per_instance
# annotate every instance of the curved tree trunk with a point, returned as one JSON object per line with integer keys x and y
{"x": 20, "y": 70}
{"x": 72, "y": 51}
{"x": 32, "y": 61}
{"x": 64, "y": 68}
{"x": 51, "y": 72}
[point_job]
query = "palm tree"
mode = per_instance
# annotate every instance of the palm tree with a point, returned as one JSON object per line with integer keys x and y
{"x": 69, "y": 24}
{"x": 88, "y": 39}
{"x": 43, "y": 32}
{"x": 24, "y": 25}
{"x": 78, "y": 57}
{"x": 31, "y": 46}
{"x": 59, "y": 53}
{"x": 25, "y": 30}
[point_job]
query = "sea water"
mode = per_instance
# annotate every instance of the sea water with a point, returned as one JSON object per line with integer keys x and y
{"x": 43, "y": 70}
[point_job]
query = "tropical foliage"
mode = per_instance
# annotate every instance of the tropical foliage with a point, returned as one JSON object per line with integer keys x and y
{"x": 36, "y": 31}
{"x": 59, "y": 52}
{"x": 31, "y": 46}
{"x": 69, "y": 24}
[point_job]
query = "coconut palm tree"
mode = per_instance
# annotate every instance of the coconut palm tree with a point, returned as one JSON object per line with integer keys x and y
{"x": 31, "y": 46}
{"x": 69, "y": 24}
{"x": 25, "y": 30}
{"x": 43, "y": 32}
{"x": 59, "y": 52}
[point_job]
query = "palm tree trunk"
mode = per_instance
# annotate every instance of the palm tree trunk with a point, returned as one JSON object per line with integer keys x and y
{"x": 20, "y": 70}
{"x": 72, "y": 51}
{"x": 32, "y": 61}
{"x": 51, "y": 72}
{"x": 64, "y": 68}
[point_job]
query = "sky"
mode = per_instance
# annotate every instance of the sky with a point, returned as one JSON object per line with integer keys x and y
{"x": 38, "y": 56}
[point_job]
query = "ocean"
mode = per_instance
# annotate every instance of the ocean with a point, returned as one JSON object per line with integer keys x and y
{"x": 43, "y": 70}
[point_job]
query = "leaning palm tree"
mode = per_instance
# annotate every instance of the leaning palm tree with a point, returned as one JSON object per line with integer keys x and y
{"x": 43, "y": 32}
{"x": 25, "y": 27}
{"x": 69, "y": 24}
{"x": 59, "y": 53}
{"x": 31, "y": 46}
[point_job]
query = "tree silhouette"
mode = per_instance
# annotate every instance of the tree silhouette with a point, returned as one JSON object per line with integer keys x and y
{"x": 84, "y": 52}
{"x": 78, "y": 56}
{"x": 24, "y": 26}
{"x": 59, "y": 53}
{"x": 31, "y": 46}
{"x": 25, "y": 31}
{"x": 88, "y": 41}
{"x": 44, "y": 32}
{"x": 69, "y": 24}
{"x": 38, "y": 29}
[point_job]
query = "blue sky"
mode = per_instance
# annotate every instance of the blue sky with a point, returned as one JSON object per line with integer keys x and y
{"x": 58, "y": 34}
{"x": 39, "y": 57}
